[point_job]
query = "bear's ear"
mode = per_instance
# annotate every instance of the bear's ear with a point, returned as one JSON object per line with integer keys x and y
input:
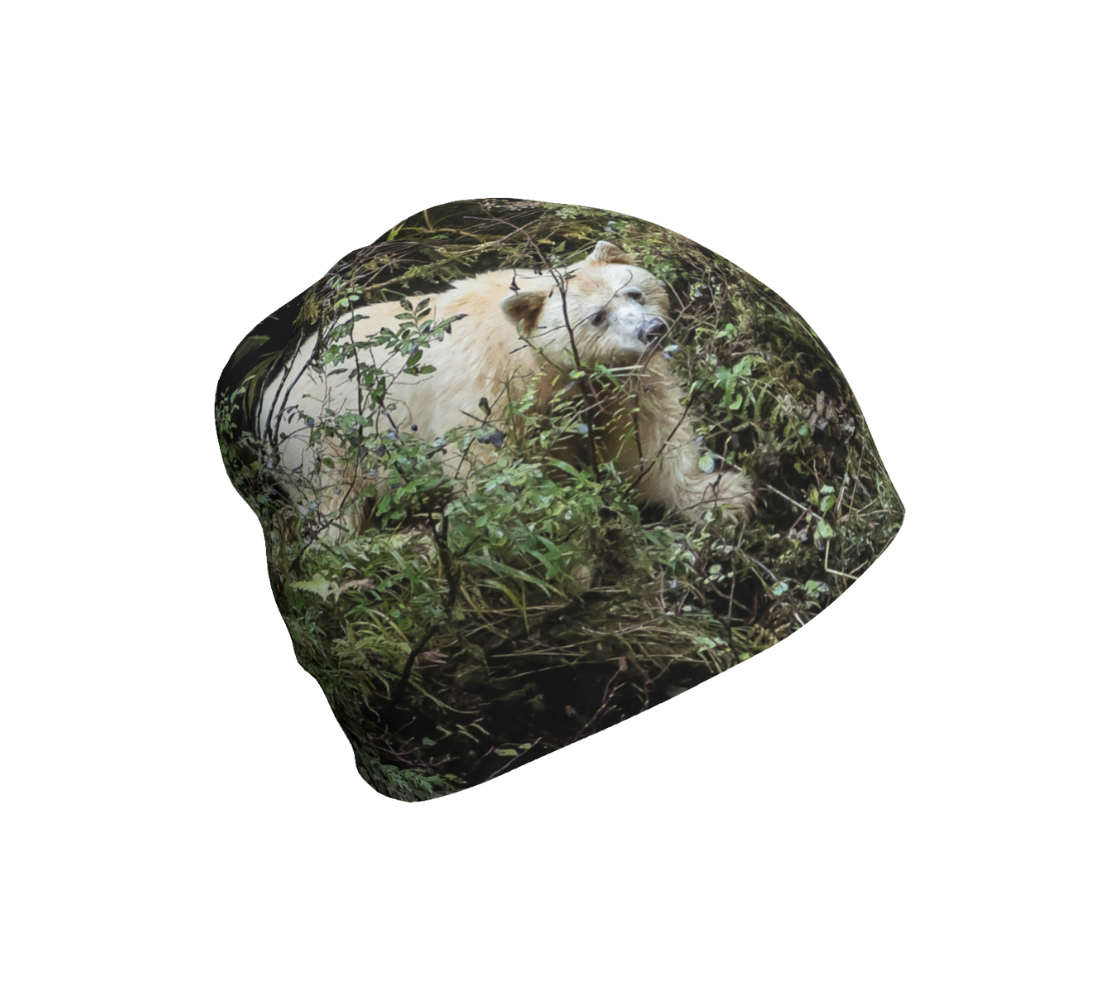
{"x": 525, "y": 306}
{"x": 607, "y": 253}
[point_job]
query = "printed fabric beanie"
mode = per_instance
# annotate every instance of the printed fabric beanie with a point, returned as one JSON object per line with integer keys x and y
{"x": 527, "y": 469}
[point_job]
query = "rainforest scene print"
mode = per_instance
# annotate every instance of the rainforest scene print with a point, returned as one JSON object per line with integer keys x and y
{"x": 525, "y": 470}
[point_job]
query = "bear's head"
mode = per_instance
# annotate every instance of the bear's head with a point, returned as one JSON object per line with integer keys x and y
{"x": 612, "y": 311}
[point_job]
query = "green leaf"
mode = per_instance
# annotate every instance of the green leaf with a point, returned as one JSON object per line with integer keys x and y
{"x": 318, "y": 586}
{"x": 510, "y": 572}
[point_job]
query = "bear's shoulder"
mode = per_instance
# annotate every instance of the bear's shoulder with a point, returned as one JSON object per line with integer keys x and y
{"x": 483, "y": 293}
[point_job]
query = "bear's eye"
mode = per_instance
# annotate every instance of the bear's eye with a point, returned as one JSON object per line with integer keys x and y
{"x": 597, "y": 319}
{"x": 634, "y": 294}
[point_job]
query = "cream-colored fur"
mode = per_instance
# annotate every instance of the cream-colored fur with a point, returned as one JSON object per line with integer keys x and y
{"x": 604, "y": 310}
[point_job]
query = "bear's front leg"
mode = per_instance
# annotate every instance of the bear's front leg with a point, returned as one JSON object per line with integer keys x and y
{"x": 732, "y": 492}
{"x": 678, "y": 481}
{"x": 670, "y": 459}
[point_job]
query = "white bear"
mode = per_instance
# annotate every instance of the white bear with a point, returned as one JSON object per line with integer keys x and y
{"x": 513, "y": 331}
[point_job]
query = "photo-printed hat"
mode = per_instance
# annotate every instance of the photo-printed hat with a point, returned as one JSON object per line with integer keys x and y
{"x": 526, "y": 469}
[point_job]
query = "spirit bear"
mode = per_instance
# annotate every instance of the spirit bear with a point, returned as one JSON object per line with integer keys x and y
{"x": 511, "y": 330}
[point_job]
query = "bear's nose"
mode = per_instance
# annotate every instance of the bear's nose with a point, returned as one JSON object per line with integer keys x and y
{"x": 651, "y": 329}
